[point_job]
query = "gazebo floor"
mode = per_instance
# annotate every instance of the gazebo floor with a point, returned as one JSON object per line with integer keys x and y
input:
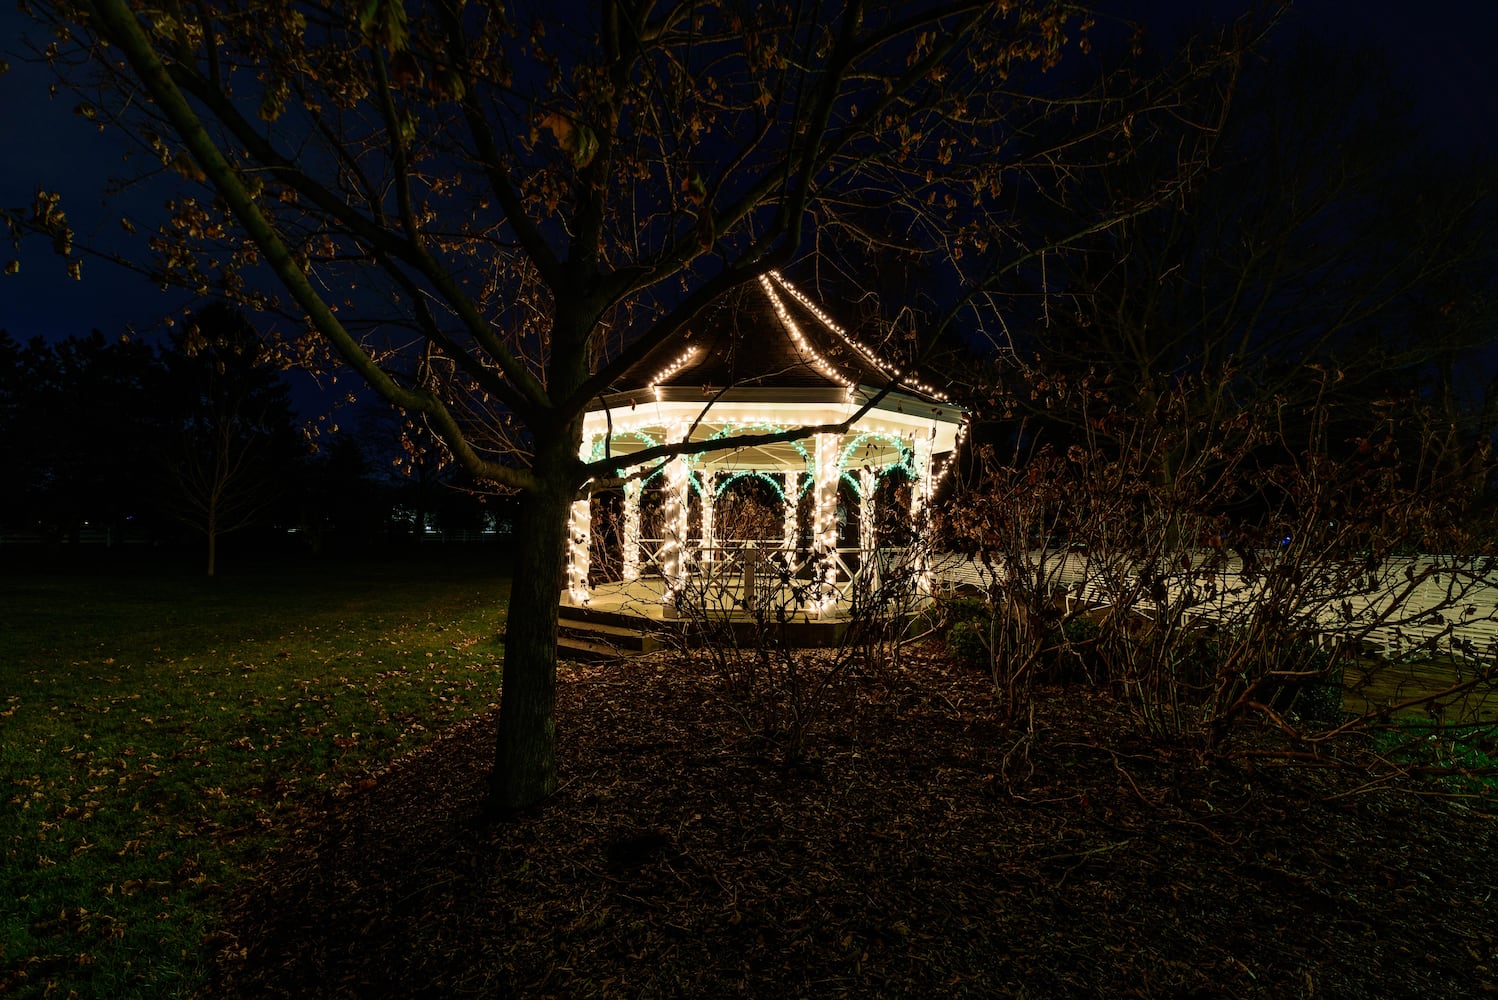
{"x": 625, "y": 618}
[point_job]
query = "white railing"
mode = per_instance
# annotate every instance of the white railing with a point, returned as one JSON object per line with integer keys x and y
{"x": 1402, "y": 604}
{"x": 764, "y": 574}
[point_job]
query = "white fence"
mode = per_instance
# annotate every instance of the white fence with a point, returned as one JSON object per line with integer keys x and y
{"x": 1400, "y": 605}
{"x": 764, "y": 574}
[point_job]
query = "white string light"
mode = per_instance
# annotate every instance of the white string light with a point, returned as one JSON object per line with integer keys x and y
{"x": 799, "y": 339}
{"x": 824, "y": 523}
{"x": 670, "y": 370}
{"x": 674, "y": 512}
{"x": 893, "y": 371}
{"x": 951, "y": 462}
{"x": 578, "y": 541}
{"x": 707, "y": 539}
{"x": 633, "y": 488}
{"x": 868, "y": 481}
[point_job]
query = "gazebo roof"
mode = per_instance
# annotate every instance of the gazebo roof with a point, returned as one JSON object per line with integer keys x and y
{"x": 766, "y": 358}
{"x": 766, "y": 336}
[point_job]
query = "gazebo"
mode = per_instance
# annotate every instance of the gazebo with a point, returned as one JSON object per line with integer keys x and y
{"x": 761, "y": 360}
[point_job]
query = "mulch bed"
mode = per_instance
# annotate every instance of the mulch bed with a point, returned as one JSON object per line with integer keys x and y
{"x": 923, "y": 848}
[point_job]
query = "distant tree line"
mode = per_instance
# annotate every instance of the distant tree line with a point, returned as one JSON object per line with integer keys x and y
{"x": 196, "y": 438}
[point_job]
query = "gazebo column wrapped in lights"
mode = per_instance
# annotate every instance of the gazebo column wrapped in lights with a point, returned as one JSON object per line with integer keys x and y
{"x": 762, "y": 360}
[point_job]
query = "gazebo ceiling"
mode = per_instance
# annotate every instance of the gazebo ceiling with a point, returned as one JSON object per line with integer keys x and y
{"x": 863, "y": 451}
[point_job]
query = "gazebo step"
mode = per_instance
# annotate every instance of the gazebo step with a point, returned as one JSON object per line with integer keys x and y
{"x": 583, "y": 633}
{"x": 622, "y": 637}
{"x": 634, "y": 624}
{"x": 569, "y": 615}
{"x": 571, "y": 647}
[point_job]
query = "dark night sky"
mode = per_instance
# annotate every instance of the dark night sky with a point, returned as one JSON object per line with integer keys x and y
{"x": 1441, "y": 50}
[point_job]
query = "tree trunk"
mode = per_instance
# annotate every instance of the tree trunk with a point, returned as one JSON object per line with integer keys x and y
{"x": 525, "y": 763}
{"x": 525, "y": 769}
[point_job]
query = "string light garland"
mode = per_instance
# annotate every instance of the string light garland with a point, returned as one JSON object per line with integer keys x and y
{"x": 632, "y": 491}
{"x": 674, "y": 513}
{"x": 705, "y": 552}
{"x": 733, "y": 477}
{"x": 579, "y": 532}
{"x": 681, "y": 362}
{"x": 824, "y": 525}
{"x": 894, "y": 371}
{"x": 600, "y": 441}
{"x": 868, "y": 482}
{"x": 799, "y": 339}
{"x": 892, "y": 440}
{"x": 579, "y": 538}
{"x": 951, "y": 462}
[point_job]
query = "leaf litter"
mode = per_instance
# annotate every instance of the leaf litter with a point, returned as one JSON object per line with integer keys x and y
{"x": 921, "y": 847}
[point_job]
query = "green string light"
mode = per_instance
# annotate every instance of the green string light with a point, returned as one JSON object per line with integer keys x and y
{"x": 750, "y": 474}
{"x": 599, "y": 441}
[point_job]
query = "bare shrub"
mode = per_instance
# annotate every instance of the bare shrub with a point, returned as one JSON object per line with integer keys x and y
{"x": 756, "y": 635}
{"x": 1232, "y": 564}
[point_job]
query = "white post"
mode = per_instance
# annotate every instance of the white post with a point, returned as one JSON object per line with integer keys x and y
{"x": 868, "y": 538}
{"x": 920, "y": 488}
{"x": 579, "y": 541}
{"x": 920, "y": 497}
{"x": 868, "y": 482}
{"x": 633, "y": 488}
{"x": 707, "y": 520}
{"x": 676, "y": 513}
{"x": 791, "y": 484}
{"x": 824, "y": 522}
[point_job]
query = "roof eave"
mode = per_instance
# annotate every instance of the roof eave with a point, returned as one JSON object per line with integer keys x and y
{"x": 893, "y": 401}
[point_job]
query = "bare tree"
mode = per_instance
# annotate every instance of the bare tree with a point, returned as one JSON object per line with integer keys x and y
{"x": 488, "y": 211}
{"x": 1273, "y": 569}
{"x": 230, "y": 430}
{"x": 1318, "y": 233}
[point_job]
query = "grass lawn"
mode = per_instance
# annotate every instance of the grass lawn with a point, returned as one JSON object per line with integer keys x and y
{"x": 154, "y": 723}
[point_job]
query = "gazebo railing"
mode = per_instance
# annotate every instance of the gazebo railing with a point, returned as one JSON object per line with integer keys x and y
{"x": 744, "y": 575}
